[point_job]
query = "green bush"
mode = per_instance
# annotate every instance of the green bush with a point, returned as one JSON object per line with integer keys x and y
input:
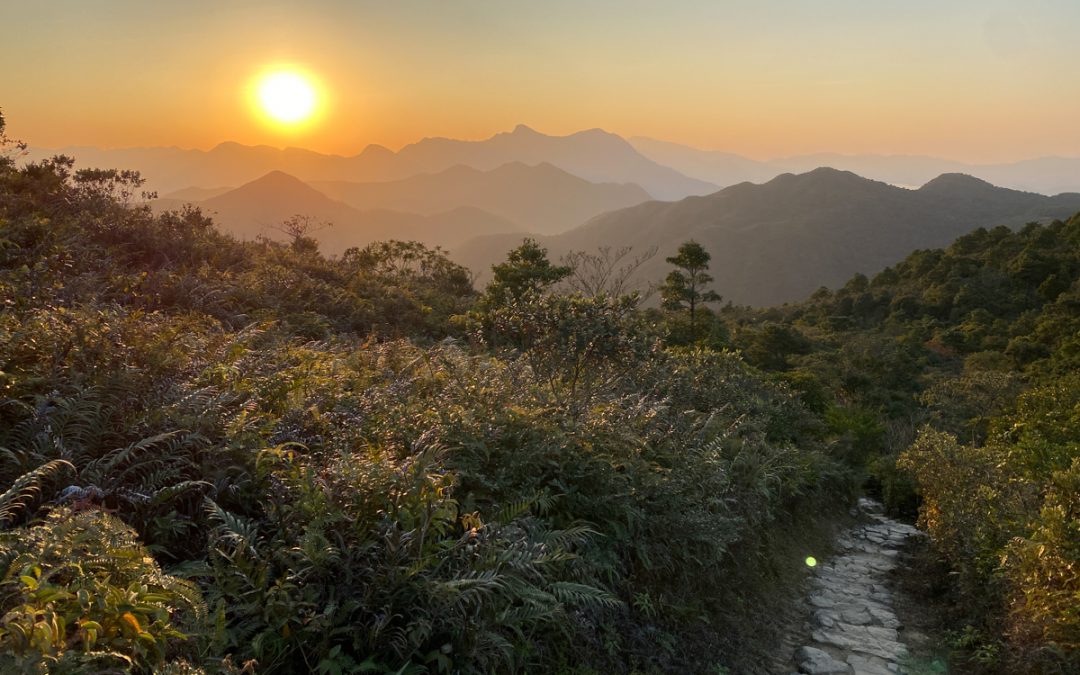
{"x": 78, "y": 590}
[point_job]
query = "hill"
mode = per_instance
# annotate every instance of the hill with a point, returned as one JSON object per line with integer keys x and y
{"x": 779, "y": 241}
{"x": 195, "y": 194}
{"x": 955, "y": 377}
{"x": 257, "y": 208}
{"x": 543, "y": 197}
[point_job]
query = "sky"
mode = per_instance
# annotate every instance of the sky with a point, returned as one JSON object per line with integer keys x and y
{"x": 977, "y": 81}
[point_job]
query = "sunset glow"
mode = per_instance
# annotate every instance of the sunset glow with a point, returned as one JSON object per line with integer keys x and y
{"x": 287, "y": 97}
{"x": 989, "y": 82}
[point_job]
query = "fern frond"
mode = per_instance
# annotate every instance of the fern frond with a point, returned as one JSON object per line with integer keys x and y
{"x": 115, "y": 458}
{"x": 468, "y": 591}
{"x": 583, "y": 595}
{"x": 170, "y": 492}
{"x": 187, "y": 591}
{"x": 513, "y": 511}
{"x": 27, "y": 486}
{"x": 231, "y": 527}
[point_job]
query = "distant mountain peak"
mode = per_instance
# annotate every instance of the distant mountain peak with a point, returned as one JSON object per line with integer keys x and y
{"x": 830, "y": 171}
{"x": 597, "y": 132}
{"x": 227, "y": 145}
{"x": 374, "y": 149}
{"x": 278, "y": 183}
{"x": 525, "y": 130}
{"x": 821, "y": 177}
{"x": 956, "y": 181}
{"x": 278, "y": 176}
{"x": 233, "y": 146}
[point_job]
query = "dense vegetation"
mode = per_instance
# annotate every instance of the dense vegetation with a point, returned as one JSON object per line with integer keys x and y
{"x": 243, "y": 456}
{"x": 964, "y": 365}
{"x": 224, "y": 456}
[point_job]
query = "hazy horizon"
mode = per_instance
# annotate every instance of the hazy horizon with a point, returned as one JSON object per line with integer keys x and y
{"x": 976, "y": 82}
{"x": 398, "y": 148}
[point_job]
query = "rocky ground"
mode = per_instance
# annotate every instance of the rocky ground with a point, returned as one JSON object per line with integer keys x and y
{"x": 853, "y": 627}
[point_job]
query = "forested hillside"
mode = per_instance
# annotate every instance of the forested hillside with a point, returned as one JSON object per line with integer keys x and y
{"x": 245, "y": 456}
{"x": 963, "y": 365}
{"x": 779, "y": 241}
{"x": 223, "y": 456}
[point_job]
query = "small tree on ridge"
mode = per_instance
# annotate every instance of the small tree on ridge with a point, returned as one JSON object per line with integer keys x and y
{"x": 684, "y": 287}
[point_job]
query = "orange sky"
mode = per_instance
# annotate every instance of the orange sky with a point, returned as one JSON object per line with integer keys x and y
{"x": 992, "y": 80}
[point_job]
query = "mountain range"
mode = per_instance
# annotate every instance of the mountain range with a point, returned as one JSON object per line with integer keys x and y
{"x": 666, "y": 171}
{"x": 593, "y": 155}
{"x": 779, "y": 241}
{"x": 542, "y": 198}
{"x": 444, "y": 208}
{"x": 779, "y": 231}
{"x": 1046, "y": 175}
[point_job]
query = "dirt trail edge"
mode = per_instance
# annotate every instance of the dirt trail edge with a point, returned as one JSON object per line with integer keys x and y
{"x": 854, "y": 629}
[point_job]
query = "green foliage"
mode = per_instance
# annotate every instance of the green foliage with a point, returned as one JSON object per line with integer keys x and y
{"x": 422, "y": 281}
{"x": 1006, "y": 515}
{"x": 858, "y": 432}
{"x": 352, "y": 487}
{"x": 684, "y": 287}
{"x": 79, "y": 591}
{"x": 576, "y": 346}
{"x": 976, "y": 346}
{"x": 527, "y": 271}
{"x": 771, "y": 345}
{"x": 26, "y": 488}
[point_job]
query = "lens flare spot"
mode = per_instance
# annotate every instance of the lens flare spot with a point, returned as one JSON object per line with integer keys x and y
{"x": 811, "y": 561}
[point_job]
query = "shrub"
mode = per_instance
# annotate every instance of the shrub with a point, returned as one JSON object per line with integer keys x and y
{"x": 78, "y": 588}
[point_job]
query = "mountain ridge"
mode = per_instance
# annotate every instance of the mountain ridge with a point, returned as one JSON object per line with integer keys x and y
{"x": 542, "y": 196}
{"x": 593, "y": 155}
{"x": 1046, "y": 175}
{"x": 778, "y": 241}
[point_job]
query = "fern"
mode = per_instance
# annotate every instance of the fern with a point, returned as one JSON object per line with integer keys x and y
{"x": 27, "y": 487}
{"x": 186, "y": 591}
{"x": 166, "y": 494}
{"x": 243, "y": 533}
{"x": 166, "y": 443}
{"x": 583, "y": 595}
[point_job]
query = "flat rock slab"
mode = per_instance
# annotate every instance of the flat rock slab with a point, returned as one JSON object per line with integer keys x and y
{"x": 813, "y": 661}
{"x": 854, "y": 628}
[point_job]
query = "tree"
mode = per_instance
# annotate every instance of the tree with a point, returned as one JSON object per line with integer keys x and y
{"x": 300, "y": 228}
{"x": 608, "y": 272}
{"x": 527, "y": 270}
{"x": 10, "y": 150}
{"x": 684, "y": 287}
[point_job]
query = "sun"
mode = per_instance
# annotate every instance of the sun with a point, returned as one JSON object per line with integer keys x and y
{"x": 287, "y": 97}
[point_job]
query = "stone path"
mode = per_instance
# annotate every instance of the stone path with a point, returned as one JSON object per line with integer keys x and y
{"x": 854, "y": 629}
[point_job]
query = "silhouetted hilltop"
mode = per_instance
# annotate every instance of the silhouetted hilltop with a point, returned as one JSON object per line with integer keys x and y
{"x": 956, "y": 183}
